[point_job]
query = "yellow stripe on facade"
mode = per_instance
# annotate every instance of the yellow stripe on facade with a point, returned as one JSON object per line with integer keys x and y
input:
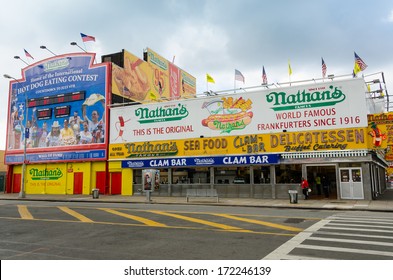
{"x": 199, "y": 221}
{"x": 24, "y": 212}
{"x": 258, "y": 222}
{"x": 136, "y": 218}
{"x": 75, "y": 214}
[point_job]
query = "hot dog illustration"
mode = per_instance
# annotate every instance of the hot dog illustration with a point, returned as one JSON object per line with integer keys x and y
{"x": 377, "y": 135}
{"x": 228, "y": 113}
{"x": 222, "y": 121}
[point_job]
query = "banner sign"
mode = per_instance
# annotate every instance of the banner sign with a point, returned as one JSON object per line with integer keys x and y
{"x": 380, "y": 133}
{"x": 201, "y": 161}
{"x": 323, "y": 106}
{"x": 61, "y": 101}
{"x": 308, "y": 141}
{"x": 58, "y": 156}
{"x": 150, "y": 80}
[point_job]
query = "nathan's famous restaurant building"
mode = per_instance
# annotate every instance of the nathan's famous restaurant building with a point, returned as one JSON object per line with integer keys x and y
{"x": 103, "y": 125}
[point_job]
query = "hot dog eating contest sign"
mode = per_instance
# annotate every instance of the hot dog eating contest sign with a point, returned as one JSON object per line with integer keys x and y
{"x": 323, "y": 106}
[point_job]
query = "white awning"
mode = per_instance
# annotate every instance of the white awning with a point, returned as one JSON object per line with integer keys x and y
{"x": 326, "y": 154}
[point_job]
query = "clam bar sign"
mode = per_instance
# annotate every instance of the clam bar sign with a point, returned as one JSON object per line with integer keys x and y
{"x": 202, "y": 161}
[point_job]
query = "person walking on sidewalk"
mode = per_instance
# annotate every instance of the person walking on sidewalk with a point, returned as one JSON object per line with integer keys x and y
{"x": 305, "y": 187}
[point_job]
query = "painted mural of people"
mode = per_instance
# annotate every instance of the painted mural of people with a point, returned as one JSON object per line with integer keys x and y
{"x": 95, "y": 119}
{"x": 67, "y": 134}
{"x": 75, "y": 122}
{"x": 54, "y": 137}
{"x": 85, "y": 136}
{"x": 42, "y": 134}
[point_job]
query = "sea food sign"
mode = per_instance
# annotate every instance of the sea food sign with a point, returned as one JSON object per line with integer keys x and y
{"x": 304, "y": 99}
{"x": 324, "y": 106}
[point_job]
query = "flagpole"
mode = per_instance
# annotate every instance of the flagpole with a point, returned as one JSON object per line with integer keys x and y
{"x": 84, "y": 44}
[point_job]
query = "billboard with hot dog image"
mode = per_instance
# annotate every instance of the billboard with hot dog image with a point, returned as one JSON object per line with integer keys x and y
{"x": 132, "y": 81}
{"x": 152, "y": 79}
{"x": 315, "y": 107}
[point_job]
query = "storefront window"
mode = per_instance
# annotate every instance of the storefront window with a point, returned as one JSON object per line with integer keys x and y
{"x": 288, "y": 173}
{"x": 232, "y": 175}
{"x": 200, "y": 175}
{"x": 262, "y": 175}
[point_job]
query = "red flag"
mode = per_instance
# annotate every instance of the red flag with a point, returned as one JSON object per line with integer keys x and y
{"x": 86, "y": 38}
{"x": 27, "y": 54}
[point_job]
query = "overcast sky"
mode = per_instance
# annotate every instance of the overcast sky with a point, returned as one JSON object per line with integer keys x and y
{"x": 213, "y": 36}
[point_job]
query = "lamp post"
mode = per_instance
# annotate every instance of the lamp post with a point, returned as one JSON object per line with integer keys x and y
{"x": 22, "y": 193}
{"x": 75, "y": 44}
{"x": 45, "y": 48}
{"x": 18, "y": 57}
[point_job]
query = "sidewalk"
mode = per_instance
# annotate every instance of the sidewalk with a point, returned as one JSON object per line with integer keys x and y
{"x": 383, "y": 204}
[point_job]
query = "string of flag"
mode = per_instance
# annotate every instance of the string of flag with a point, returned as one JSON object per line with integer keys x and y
{"x": 359, "y": 66}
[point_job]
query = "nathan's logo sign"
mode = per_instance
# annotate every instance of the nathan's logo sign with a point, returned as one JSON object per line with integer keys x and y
{"x": 148, "y": 149}
{"x": 56, "y": 65}
{"x": 282, "y": 101}
{"x": 46, "y": 174}
{"x": 161, "y": 114}
{"x": 157, "y": 61}
{"x": 228, "y": 114}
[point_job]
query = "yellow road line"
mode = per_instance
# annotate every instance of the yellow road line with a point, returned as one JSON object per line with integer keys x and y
{"x": 75, "y": 214}
{"x": 258, "y": 222}
{"x": 136, "y": 218}
{"x": 25, "y": 213}
{"x": 199, "y": 221}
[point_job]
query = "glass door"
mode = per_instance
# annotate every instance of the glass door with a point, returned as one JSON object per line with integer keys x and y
{"x": 351, "y": 183}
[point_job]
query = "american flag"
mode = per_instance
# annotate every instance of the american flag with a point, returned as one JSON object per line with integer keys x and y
{"x": 360, "y": 62}
{"x": 264, "y": 77}
{"x": 86, "y": 38}
{"x": 27, "y": 54}
{"x": 239, "y": 76}
{"x": 323, "y": 69}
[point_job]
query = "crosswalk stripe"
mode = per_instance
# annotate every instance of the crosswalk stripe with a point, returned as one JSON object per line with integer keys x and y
{"x": 356, "y": 229}
{"x": 136, "y": 218}
{"x": 361, "y": 221}
{"x": 346, "y": 250}
{"x": 298, "y": 257}
{"x": 75, "y": 214}
{"x": 353, "y": 234}
{"x": 358, "y": 224}
{"x": 258, "y": 222}
{"x": 351, "y": 241}
{"x": 25, "y": 213}
{"x": 385, "y": 221}
{"x": 360, "y": 218}
{"x": 199, "y": 221}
